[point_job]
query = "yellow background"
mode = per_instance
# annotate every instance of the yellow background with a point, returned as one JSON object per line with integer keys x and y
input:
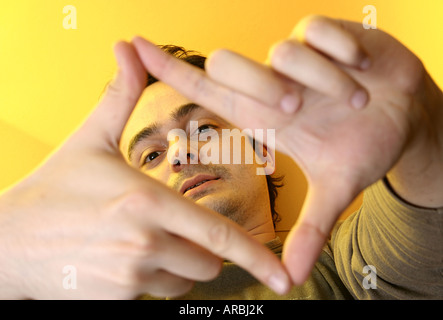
{"x": 51, "y": 78}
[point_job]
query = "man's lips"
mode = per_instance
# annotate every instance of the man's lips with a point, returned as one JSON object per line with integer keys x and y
{"x": 196, "y": 181}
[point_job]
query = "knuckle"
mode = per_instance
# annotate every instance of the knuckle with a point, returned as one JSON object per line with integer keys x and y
{"x": 177, "y": 290}
{"x": 147, "y": 245}
{"x": 127, "y": 275}
{"x": 165, "y": 66}
{"x": 282, "y": 53}
{"x": 130, "y": 278}
{"x": 228, "y": 103}
{"x": 353, "y": 55}
{"x": 214, "y": 60}
{"x": 196, "y": 84}
{"x": 112, "y": 89}
{"x": 309, "y": 26}
{"x": 137, "y": 202}
{"x": 341, "y": 87}
{"x": 137, "y": 260}
{"x": 214, "y": 269}
{"x": 219, "y": 237}
{"x": 411, "y": 76}
{"x": 117, "y": 89}
{"x": 316, "y": 23}
{"x": 199, "y": 85}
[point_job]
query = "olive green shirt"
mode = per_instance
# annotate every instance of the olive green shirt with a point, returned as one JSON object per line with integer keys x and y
{"x": 388, "y": 249}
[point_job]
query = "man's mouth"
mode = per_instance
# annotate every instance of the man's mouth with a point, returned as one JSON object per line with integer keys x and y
{"x": 196, "y": 182}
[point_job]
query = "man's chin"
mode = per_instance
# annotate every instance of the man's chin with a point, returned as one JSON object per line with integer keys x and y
{"x": 225, "y": 206}
{"x": 207, "y": 200}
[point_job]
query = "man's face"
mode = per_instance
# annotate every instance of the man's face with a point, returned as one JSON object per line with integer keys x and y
{"x": 200, "y": 167}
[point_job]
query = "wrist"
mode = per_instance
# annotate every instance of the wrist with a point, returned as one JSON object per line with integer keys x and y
{"x": 417, "y": 177}
{"x": 428, "y": 116}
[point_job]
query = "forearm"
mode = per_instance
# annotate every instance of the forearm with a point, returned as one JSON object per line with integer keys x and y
{"x": 418, "y": 175}
{"x": 11, "y": 281}
{"x": 402, "y": 243}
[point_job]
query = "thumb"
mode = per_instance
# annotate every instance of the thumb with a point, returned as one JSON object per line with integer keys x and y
{"x": 105, "y": 125}
{"x": 321, "y": 209}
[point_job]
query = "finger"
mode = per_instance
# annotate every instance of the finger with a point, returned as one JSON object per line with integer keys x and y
{"x": 328, "y": 37}
{"x": 253, "y": 79}
{"x": 226, "y": 239}
{"x": 193, "y": 83}
{"x": 163, "y": 284}
{"x": 306, "y": 240}
{"x": 306, "y": 66}
{"x": 106, "y": 123}
{"x": 185, "y": 259}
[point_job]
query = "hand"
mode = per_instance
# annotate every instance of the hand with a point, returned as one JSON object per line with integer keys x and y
{"x": 345, "y": 103}
{"x": 124, "y": 233}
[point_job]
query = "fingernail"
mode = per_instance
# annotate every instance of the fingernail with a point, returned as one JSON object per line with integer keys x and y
{"x": 359, "y": 99}
{"x": 279, "y": 283}
{"x": 290, "y": 103}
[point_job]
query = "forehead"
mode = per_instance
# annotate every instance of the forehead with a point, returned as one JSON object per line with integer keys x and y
{"x": 155, "y": 105}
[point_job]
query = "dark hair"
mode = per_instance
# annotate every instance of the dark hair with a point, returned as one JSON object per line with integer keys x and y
{"x": 198, "y": 60}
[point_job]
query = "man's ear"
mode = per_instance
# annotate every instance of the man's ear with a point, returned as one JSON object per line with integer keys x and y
{"x": 265, "y": 157}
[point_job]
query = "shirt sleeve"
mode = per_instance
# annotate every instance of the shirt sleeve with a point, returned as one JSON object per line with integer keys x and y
{"x": 390, "y": 249}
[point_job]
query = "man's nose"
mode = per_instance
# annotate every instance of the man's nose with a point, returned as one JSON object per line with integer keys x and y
{"x": 180, "y": 155}
{"x": 179, "y": 161}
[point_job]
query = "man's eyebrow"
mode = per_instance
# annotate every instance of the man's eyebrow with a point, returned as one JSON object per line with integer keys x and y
{"x": 141, "y": 135}
{"x": 183, "y": 111}
{"x": 154, "y": 128}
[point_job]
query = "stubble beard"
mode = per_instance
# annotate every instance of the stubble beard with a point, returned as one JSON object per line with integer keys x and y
{"x": 230, "y": 207}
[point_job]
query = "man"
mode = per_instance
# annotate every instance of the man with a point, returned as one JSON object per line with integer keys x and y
{"x": 235, "y": 190}
{"x": 374, "y": 115}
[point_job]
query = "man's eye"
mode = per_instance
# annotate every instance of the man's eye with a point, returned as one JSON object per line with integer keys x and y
{"x": 150, "y": 157}
{"x": 205, "y": 128}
